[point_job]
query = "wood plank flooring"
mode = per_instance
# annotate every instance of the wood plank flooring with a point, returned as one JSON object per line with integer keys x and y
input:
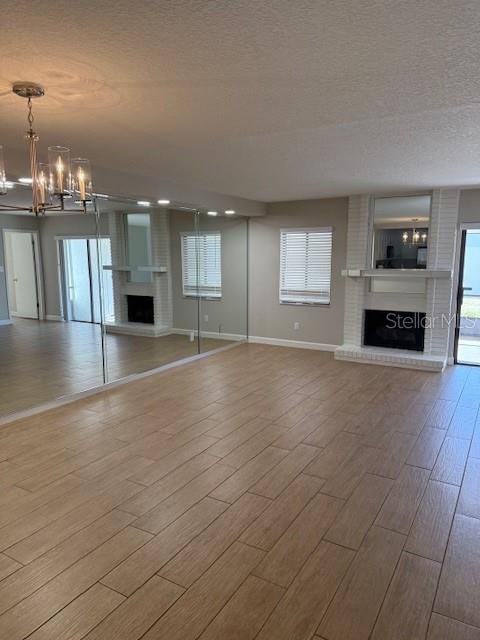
{"x": 262, "y": 492}
{"x": 43, "y": 361}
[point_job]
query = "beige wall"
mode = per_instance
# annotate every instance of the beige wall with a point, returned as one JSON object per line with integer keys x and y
{"x": 228, "y": 315}
{"x": 268, "y": 318}
{"x": 469, "y": 206}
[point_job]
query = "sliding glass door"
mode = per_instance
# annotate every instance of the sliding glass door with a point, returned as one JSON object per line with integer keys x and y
{"x": 468, "y": 325}
{"x": 82, "y": 263}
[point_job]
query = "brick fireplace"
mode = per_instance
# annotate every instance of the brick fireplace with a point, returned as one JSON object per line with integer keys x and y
{"x": 429, "y": 292}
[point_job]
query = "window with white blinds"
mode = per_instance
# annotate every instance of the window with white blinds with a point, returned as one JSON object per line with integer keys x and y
{"x": 202, "y": 264}
{"x": 305, "y": 265}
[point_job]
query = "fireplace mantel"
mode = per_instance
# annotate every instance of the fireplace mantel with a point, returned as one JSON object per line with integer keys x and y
{"x": 398, "y": 273}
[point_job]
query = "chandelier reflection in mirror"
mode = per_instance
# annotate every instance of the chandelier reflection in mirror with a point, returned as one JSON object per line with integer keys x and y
{"x": 61, "y": 180}
{"x": 415, "y": 236}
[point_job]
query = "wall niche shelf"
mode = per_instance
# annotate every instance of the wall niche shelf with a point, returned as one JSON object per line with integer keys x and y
{"x": 398, "y": 273}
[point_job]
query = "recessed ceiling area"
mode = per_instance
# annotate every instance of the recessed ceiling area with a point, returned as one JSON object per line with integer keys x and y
{"x": 267, "y": 101}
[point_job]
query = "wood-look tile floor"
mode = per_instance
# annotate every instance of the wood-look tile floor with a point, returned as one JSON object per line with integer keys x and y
{"x": 41, "y": 361}
{"x": 262, "y": 493}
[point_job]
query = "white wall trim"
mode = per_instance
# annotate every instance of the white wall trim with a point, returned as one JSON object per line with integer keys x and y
{"x": 208, "y": 334}
{"x": 54, "y": 318}
{"x": 4, "y": 322}
{"x": 296, "y": 344}
{"x": 60, "y": 402}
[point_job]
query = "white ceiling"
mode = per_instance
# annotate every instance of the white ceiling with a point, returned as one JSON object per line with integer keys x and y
{"x": 268, "y": 100}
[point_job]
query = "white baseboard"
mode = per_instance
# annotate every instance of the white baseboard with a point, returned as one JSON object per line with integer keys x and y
{"x": 450, "y": 361}
{"x": 296, "y": 344}
{"x": 54, "y": 318}
{"x": 7, "y": 321}
{"x": 209, "y": 334}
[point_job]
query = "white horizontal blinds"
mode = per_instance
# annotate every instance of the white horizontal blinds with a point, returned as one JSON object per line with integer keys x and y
{"x": 202, "y": 264}
{"x": 305, "y": 265}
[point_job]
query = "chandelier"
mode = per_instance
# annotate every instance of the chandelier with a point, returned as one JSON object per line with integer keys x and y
{"x": 55, "y": 182}
{"x": 416, "y": 235}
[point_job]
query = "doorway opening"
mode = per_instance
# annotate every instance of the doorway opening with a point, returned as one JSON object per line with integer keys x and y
{"x": 22, "y": 270}
{"x": 467, "y": 343}
{"x": 84, "y": 270}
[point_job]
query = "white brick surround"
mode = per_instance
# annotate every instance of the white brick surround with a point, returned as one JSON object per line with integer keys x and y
{"x": 160, "y": 288}
{"x": 435, "y": 300}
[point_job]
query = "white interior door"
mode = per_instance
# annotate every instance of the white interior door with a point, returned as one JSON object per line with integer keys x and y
{"x": 21, "y": 274}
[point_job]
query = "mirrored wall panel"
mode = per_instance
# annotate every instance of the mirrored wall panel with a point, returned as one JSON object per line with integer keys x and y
{"x": 92, "y": 298}
{"x": 401, "y": 225}
{"x": 222, "y": 280}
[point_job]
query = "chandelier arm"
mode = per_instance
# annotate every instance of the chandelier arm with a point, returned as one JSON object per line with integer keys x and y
{"x": 8, "y": 207}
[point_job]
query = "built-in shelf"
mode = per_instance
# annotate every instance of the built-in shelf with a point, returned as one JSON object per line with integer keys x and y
{"x": 398, "y": 273}
{"x": 148, "y": 269}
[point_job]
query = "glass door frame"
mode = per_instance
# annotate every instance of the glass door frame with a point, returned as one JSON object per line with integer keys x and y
{"x": 464, "y": 228}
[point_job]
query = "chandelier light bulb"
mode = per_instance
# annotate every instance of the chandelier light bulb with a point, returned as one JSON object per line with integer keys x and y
{"x": 405, "y": 236}
{"x": 82, "y": 178}
{"x": 44, "y": 184}
{"x": 59, "y": 162}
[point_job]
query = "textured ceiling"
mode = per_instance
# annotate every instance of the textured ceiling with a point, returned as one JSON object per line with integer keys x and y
{"x": 268, "y": 100}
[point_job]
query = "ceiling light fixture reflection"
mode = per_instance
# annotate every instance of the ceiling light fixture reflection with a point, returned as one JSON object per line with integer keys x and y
{"x": 212, "y": 213}
{"x": 229, "y": 212}
{"x": 143, "y": 203}
{"x": 53, "y": 182}
{"x": 163, "y": 202}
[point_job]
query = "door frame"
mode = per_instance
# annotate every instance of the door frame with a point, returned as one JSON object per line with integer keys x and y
{"x": 37, "y": 261}
{"x": 458, "y": 282}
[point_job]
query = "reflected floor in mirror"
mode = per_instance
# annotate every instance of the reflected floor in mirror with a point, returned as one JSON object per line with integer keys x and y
{"x": 41, "y": 361}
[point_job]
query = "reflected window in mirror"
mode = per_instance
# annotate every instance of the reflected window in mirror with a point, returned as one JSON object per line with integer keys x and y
{"x": 400, "y": 228}
{"x": 202, "y": 264}
{"x": 138, "y": 246}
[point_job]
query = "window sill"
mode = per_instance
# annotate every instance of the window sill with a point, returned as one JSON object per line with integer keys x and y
{"x": 305, "y": 304}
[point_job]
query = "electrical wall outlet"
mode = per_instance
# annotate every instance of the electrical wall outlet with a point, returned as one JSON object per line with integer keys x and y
{"x": 192, "y": 336}
{"x": 296, "y": 326}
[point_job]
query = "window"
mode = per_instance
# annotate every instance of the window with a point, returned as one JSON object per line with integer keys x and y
{"x": 305, "y": 265}
{"x": 202, "y": 264}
